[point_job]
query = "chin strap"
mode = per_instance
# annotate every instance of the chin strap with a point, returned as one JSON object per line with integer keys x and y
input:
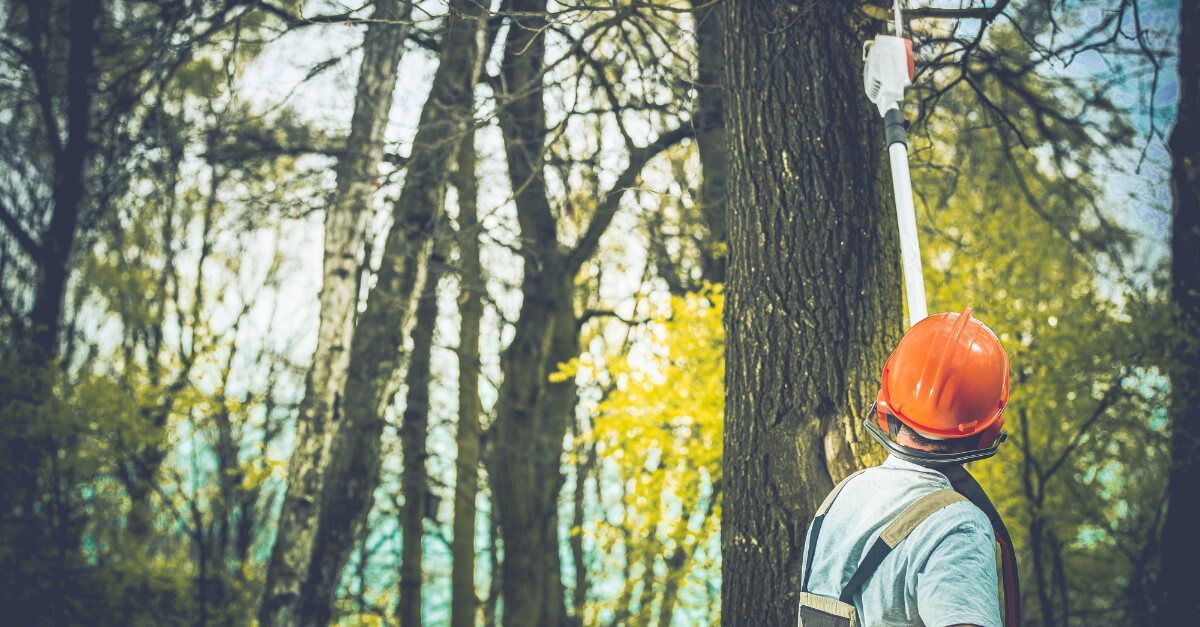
{"x": 928, "y": 458}
{"x": 966, "y": 485}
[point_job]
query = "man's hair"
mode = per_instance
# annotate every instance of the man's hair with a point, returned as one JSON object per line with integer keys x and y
{"x": 951, "y": 445}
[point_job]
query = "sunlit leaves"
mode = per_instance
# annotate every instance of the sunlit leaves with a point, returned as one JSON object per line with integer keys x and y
{"x": 658, "y": 436}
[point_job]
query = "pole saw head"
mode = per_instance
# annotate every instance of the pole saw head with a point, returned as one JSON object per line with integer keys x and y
{"x": 888, "y": 68}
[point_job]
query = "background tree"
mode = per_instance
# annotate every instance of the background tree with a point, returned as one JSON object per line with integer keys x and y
{"x": 353, "y": 470}
{"x": 1179, "y": 547}
{"x": 345, "y": 225}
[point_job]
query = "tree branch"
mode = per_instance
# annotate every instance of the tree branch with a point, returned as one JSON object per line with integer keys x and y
{"x": 298, "y": 21}
{"x": 987, "y": 14}
{"x": 1110, "y": 398}
{"x": 20, "y": 234}
{"x": 612, "y": 199}
{"x": 607, "y": 313}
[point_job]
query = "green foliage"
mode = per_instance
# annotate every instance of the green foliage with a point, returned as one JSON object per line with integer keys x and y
{"x": 1027, "y": 240}
{"x": 65, "y": 554}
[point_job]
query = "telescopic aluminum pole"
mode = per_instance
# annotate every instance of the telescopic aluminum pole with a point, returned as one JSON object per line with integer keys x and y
{"x": 910, "y": 250}
{"x": 887, "y": 71}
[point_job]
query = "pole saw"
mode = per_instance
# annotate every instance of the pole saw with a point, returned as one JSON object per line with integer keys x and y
{"x": 889, "y": 67}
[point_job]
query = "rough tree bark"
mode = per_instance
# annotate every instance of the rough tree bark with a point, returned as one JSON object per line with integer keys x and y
{"x": 463, "y": 600}
{"x": 525, "y": 449}
{"x": 345, "y": 222}
{"x": 376, "y": 352}
{"x": 414, "y": 430}
{"x": 813, "y": 288}
{"x": 1180, "y": 605}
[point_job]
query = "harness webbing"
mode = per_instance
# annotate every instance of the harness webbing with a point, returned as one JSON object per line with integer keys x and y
{"x": 816, "y": 527}
{"x": 891, "y": 536}
{"x": 965, "y": 488}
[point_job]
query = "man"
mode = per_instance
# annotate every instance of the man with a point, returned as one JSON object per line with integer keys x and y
{"x": 912, "y": 541}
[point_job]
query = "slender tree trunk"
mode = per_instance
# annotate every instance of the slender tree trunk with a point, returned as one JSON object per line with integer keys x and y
{"x": 645, "y": 603}
{"x": 376, "y": 352}
{"x": 678, "y": 562}
{"x": 1060, "y": 577}
{"x": 22, "y": 481}
{"x": 467, "y": 439}
{"x": 532, "y": 412}
{"x": 585, "y": 459}
{"x": 714, "y": 155}
{"x": 813, "y": 289}
{"x": 527, "y": 437}
{"x": 1037, "y": 549}
{"x": 70, "y": 163}
{"x": 345, "y": 220}
{"x": 493, "y": 553}
{"x": 413, "y": 434}
{"x": 1181, "y": 546}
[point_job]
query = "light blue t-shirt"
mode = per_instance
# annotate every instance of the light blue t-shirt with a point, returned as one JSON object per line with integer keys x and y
{"x": 943, "y": 573}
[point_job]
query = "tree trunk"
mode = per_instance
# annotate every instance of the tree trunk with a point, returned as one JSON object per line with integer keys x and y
{"x": 813, "y": 288}
{"x": 532, "y": 412}
{"x": 413, "y": 434}
{"x": 585, "y": 459}
{"x": 345, "y": 221}
{"x": 467, "y": 439}
{"x": 714, "y": 155}
{"x": 493, "y": 553}
{"x": 70, "y": 163}
{"x": 526, "y": 437}
{"x": 1057, "y": 557}
{"x": 531, "y": 420}
{"x": 353, "y": 469}
{"x": 1037, "y": 549}
{"x": 1181, "y": 547}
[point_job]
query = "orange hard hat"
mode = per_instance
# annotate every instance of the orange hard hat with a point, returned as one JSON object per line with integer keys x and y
{"x": 948, "y": 378}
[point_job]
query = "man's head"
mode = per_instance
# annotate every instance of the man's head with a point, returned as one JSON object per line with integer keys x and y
{"x": 944, "y": 388}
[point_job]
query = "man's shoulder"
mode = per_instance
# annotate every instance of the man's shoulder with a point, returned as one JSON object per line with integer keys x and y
{"x": 905, "y": 484}
{"x": 961, "y": 518}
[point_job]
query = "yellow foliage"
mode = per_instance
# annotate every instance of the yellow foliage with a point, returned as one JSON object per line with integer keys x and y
{"x": 660, "y": 430}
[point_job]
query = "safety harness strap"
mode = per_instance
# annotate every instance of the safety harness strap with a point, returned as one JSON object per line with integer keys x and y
{"x": 888, "y": 539}
{"x": 894, "y": 534}
{"x": 825, "y": 505}
{"x": 816, "y": 527}
{"x": 967, "y": 486}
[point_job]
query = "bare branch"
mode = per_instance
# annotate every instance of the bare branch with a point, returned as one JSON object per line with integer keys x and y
{"x": 987, "y": 14}
{"x": 612, "y": 200}
{"x": 23, "y": 237}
